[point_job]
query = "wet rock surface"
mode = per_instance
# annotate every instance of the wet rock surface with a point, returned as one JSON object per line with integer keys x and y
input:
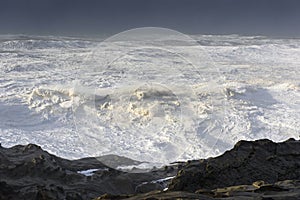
{"x": 246, "y": 163}
{"x": 258, "y": 169}
{"x": 283, "y": 190}
{"x": 28, "y": 172}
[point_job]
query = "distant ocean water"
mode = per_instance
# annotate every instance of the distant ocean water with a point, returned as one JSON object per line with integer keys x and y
{"x": 176, "y": 101}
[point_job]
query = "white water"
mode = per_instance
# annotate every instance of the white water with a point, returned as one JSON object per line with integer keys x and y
{"x": 90, "y": 172}
{"x": 150, "y": 104}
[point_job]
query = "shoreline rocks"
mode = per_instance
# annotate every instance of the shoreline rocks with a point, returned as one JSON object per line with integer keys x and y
{"x": 247, "y": 162}
{"x": 283, "y": 190}
{"x": 28, "y": 172}
{"x": 258, "y": 169}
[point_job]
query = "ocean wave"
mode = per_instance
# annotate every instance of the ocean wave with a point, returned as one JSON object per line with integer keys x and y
{"x": 143, "y": 105}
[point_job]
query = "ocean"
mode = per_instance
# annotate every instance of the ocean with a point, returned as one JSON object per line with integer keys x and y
{"x": 159, "y": 99}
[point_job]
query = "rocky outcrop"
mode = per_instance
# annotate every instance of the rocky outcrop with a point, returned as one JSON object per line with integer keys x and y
{"x": 247, "y": 162}
{"x": 28, "y": 172}
{"x": 259, "y": 169}
{"x": 283, "y": 190}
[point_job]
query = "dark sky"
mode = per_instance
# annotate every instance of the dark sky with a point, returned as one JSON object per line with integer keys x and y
{"x": 95, "y": 17}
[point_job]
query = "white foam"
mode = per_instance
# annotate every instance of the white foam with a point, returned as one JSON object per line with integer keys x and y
{"x": 153, "y": 107}
{"x": 90, "y": 172}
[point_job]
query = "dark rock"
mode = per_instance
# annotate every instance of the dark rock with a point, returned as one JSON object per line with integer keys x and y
{"x": 29, "y": 172}
{"x": 251, "y": 170}
{"x": 148, "y": 187}
{"x": 6, "y": 191}
{"x": 156, "y": 195}
{"x": 289, "y": 189}
{"x": 115, "y": 161}
{"x": 245, "y": 163}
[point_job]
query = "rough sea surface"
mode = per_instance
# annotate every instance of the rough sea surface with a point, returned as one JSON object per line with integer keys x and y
{"x": 159, "y": 102}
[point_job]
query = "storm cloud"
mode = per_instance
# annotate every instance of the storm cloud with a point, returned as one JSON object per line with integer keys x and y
{"x": 85, "y": 17}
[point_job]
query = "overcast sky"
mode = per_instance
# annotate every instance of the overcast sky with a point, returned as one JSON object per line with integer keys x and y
{"x": 92, "y": 17}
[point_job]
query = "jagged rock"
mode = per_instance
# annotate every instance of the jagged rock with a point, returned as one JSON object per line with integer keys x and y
{"x": 247, "y": 162}
{"x": 283, "y": 190}
{"x": 289, "y": 189}
{"x": 251, "y": 170}
{"x": 28, "y": 172}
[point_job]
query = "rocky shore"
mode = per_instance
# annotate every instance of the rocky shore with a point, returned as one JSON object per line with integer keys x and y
{"x": 258, "y": 169}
